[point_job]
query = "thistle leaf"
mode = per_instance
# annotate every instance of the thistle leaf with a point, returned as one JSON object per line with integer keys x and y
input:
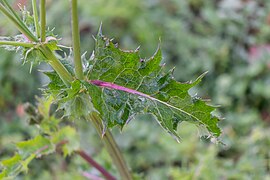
{"x": 37, "y": 147}
{"x": 54, "y": 138}
{"x": 27, "y": 151}
{"x": 122, "y": 85}
{"x": 69, "y": 135}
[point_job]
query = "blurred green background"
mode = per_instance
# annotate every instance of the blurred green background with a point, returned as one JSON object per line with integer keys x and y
{"x": 228, "y": 38}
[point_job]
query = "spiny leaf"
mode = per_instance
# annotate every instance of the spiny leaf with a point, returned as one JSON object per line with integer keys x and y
{"x": 122, "y": 85}
{"x": 11, "y": 166}
{"x": 27, "y": 151}
{"x": 69, "y": 135}
{"x": 39, "y": 146}
{"x": 56, "y": 84}
{"x": 76, "y": 103}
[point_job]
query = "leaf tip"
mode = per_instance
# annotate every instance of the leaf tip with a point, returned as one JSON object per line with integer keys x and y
{"x": 200, "y": 78}
{"x": 203, "y": 74}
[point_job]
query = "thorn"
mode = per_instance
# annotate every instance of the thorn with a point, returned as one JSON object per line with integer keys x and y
{"x": 84, "y": 54}
{"x": 137, "y": 49}
{"x": 100, "y": 30}
{"x": 129, "y": 119}
{"x": 159, "y": 39}
{"x": 31, "y": 67}
{"x": 158, "y": 49}
{"x": 107, "y": 43}
{"x": 92, "y": 57}
{"x": 156, "y": 52}
{"x": 200, "y": 77}
{"x": 104, "y": 129}
{"x": 95, "y": 39}
{"x": 103, "y": 132}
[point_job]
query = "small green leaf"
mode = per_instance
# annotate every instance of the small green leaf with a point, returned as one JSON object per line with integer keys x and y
{"x": 76, "y": 103}
{"x": 12, "y": 166}
{"x": 70, "y": 136}
{"x": 38, "y": 146}
{"x": 44, "y": 106}
{"x": 56, "y": 84}
{"x": 12, "y": 161}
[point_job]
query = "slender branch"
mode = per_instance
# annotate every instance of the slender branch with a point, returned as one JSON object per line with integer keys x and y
{"x": 43, "y": 20}
{"x": 16, "y": 43}
{"x": 11, "y": 10}
{"x": 76, "y": 40}
{"x": 111, "y": 147}
{"x": 85, "y": 156}
{"x": 15, "y": 15}
{"x": 18, "y": 23}
{"x": 92, "y": 162}
{"x": 57, "y": 65}
{"x": 35, "y": 13}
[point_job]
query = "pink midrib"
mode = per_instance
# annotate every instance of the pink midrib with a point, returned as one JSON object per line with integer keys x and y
{"x": 117, "y": 87}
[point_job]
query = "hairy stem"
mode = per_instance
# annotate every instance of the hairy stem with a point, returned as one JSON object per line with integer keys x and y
{"x": 92, "y": 162}
{"x": 35, "y": 13}
{"x": 76, "y": 40}
{"x": 43, "y": 20}
{"x": 16, "y": 43}
{"x": 111, "y": 147}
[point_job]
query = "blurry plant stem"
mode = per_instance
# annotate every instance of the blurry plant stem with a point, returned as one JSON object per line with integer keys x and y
{"x": 43, "y": 20}
{"x": 35, "y": 14}
{"x": 92, "y": 162}
{"x": 11, "y": 10}
{"x": 111, "y": 147}
{"x": 76, "y": 40}
{"x": 11, "y": 15}
{"x": 16, "y": 43}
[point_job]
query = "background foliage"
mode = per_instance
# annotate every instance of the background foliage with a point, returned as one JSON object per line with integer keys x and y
{"x": 228, "y": 38}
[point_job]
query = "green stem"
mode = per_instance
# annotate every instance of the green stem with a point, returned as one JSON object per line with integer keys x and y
{"x": 35, "y": 13}
{"x": 15, "y": 43}
{"x": 76, "y": 40}
{"x": 52, "y": 60}
{"x": 111, "y": 147}
{"x": 15, "y": 15}
{"x": 57, "y": 65}
{"x": 11, "y": 10}
{"x": 43, "y": 20}
{"x": 18, "y": 23}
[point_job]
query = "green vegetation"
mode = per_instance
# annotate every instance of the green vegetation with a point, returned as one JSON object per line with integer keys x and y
{"x": 228, "y": 39}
